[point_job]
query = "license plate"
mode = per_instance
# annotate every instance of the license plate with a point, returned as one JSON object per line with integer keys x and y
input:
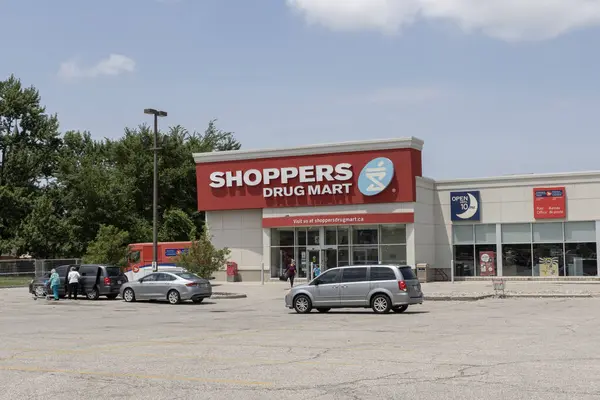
{"x": 118, "y": 282}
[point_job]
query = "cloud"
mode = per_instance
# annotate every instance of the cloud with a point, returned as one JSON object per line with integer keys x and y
{"x": 509, "y": 20}
{"x": 113, "y": 65}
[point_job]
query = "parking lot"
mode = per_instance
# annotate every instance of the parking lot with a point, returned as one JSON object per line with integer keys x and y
{"x": 254, "y": 348}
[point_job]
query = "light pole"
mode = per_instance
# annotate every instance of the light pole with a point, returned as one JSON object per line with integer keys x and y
{"x": 156, "y": 114}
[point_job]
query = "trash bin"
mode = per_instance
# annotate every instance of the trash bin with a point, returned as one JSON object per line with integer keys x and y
{"x": 422, "y": 273}
{"x": 232, "y": 271}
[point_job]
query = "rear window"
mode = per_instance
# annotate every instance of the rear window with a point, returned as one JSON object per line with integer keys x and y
{"x": 382, "y": 274}
{"x": 113, "y": 271}
{"x": 407, "y": 273}
{"x": 187, "y": 275}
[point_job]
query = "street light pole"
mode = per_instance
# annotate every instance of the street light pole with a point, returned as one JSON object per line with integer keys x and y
{"x": 156, "y": 114}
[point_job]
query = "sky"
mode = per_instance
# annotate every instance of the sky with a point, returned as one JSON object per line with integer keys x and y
{"x": 493, "y": 87}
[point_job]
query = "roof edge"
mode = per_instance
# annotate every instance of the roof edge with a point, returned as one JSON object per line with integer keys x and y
{"x": 326, "y": 148}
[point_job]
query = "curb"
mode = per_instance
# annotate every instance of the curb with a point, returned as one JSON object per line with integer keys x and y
{"x": 226, "y": 295}
{"x": 507, "y": 296}
{"x": 457, "y": 298}
{"x": 14, "y": 287}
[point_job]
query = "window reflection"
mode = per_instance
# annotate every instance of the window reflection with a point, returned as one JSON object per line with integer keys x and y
{"x": 464, "y": 262}
{"x": 581, "y": 259}
{"x": 548, "y": 259}
{"x": 516, "y": 260}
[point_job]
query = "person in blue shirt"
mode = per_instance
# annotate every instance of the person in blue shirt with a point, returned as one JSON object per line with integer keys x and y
{"x": 316, "y": 268}
{"x": 54, "y": 283}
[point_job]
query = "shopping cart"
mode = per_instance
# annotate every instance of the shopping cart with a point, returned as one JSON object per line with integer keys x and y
{"x": 42, "y": 291}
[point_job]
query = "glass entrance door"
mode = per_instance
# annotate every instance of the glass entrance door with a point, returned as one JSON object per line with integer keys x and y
{"x": 314, "y": 258}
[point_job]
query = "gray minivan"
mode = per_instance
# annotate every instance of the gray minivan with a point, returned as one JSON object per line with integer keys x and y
{"x": 380, "y": 287}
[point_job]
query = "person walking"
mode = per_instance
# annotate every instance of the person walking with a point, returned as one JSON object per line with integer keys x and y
{"x": 291, "y": 272}
{"x": 54, "y": 283}
{"x": 73, "y": 279}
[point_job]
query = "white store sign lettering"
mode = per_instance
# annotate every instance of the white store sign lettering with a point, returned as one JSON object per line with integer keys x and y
{"x": 317, "y": 176}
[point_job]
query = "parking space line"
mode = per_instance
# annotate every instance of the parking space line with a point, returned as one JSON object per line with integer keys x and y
{"x": 136, "y": 376}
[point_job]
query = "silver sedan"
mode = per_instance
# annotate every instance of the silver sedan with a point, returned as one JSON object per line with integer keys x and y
{"x": 174, "y": 287}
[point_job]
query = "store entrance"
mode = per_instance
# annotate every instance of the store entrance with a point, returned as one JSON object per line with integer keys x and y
{"x": 323, "y": 257}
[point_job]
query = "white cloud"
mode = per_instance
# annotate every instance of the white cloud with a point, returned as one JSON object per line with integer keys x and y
{"x": 114, "y": 64}
{"x": 510, "y": 20}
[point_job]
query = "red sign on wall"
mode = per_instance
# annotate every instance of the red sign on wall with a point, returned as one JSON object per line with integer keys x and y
{"x": 339, "y": 219}
{"x": 487, "y": 263}
{"x": 549, "y": 203}
{"x": 311, "y": 180}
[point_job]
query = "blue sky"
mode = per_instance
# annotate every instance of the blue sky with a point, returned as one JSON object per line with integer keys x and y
{"x": 501, "y": 88}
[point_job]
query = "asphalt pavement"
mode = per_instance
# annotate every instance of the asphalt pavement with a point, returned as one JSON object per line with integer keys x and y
{"x": 254, "y": 348}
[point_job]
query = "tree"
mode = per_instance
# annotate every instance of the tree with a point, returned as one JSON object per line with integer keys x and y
{"x": 176, "y": 226}
{"x": 109, "y": 247}
{"x": 203, "y": 258}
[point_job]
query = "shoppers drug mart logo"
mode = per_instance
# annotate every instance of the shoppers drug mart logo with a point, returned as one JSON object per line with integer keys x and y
{"x": 376, "y": 176}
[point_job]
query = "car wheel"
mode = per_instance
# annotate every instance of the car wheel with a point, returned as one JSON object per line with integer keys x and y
{"x": 93, "y": 294}
{"x": 128, "y": 295}
{"x": 381, "y": 304}
{"x": 302, "y": 304}
{"x": 400, "y": 309}
{"x": 197, "y": 301}
{"x": 111, "y": 296}
{"x": 323, "y": 310}
{"x": 40, "y": 291}
{"x": 173, "y": 297}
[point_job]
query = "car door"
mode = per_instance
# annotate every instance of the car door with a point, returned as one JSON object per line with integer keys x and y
{"x": 62, "y": 272}
{"x": 162, "y": 285}
{"x": 354, "y": 287}
{"x": 327, "y": 289}
{"x": 88, "y": 274}
{"x": 144, "y": 289}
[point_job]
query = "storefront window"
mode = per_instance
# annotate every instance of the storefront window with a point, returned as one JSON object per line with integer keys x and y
{"x": 301, "y": 236}
{"x": 393, "y": 254}
{"x": 582, "y": 232}
{"x": 551, "y": 232}
{"x": 516, "y": 233}
{"x": 330, "y": 235}
{"x": 464, "y": 261}
{"x": 581, "y": 259}
{"x": 280, "y": 259}
{"x": 480, "y": 250}
{"x": 462, "y": 234}
{"x": 548, "y": 259}
{"x": 485, "y": 233}
{"x": 364, "y": 235}
{"x": 343, "y": 256}
{"x": 343, "y": 235}
{"x": 313, "y": 237}
{"x": 364, "y": 255}
{"x": 516, "y": 259}
{"x": 282, "y": 237}
{"x": 393, "y": 234}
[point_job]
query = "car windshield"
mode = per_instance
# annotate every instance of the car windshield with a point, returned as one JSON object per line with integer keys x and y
{"x": 113, "y": 271}
{"x": 187, "y": 275}
{"x": 407, "y": 273}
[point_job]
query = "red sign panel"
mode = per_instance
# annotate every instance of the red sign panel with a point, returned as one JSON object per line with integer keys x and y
{"x": 339, "y": 219}
{"x": 487, "y": 263}
{"x": 549, "y": 203}
{"x": 312, "y": 180}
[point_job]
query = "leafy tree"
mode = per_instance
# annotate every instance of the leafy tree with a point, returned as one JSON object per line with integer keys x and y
{"x": 109, "y": 247}
{"x": 176, "y": 226}
{"x": 203, "y": 258}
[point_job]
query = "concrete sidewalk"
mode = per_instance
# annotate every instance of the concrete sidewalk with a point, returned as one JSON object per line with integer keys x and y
{"x": 448, "y": 291}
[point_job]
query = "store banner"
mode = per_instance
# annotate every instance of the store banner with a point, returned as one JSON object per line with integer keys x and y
{"x": 549, "y": 203}
{"x": 548, "y": 266}
{"x": 487, "y": 263}
{"x": 338, "y": 219}
{"x": 465, "y": 206}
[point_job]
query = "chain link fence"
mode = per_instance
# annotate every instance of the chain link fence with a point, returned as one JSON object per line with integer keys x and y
{"x": 32, "y": 267}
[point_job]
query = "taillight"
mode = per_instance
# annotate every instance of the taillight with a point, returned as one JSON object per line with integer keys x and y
{"x": 191, "y": 284}
{"x": 107, "y": 281}
{"x": 402, "y": 286}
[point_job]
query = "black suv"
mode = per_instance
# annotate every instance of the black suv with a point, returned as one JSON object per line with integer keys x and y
{"x": 96, "y": 280}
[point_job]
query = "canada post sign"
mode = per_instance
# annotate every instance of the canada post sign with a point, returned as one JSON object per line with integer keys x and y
{"x": 465, "y": 206}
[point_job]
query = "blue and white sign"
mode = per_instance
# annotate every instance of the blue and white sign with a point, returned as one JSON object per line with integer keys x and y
{"x": 175, "y": 252}
{"x": 465, "y": 206}
{"x": 376, "y": 176}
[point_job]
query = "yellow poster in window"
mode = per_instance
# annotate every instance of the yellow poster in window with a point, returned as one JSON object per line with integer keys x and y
{"x": 548, "y": 266}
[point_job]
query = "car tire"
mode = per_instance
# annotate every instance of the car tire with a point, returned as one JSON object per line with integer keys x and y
{"x": 40, "y": 291}
{"x": 197, "y": 301}
{"x": 173, "y": 297}
{"x": 323, "y": 310}
{"x": 93, "y": 294}
{"x": 111, "y": 296}
{"x": 400, "y": 309}
{"x": 128, "y": 295}
{"x": 302, "y": 304}
{"x": 381, "y": 304}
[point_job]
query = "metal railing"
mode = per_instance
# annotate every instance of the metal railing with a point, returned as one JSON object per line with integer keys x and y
{"x": 32, "y": 267}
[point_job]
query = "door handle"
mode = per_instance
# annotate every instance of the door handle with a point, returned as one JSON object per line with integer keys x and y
{"x": 344, "y": 286}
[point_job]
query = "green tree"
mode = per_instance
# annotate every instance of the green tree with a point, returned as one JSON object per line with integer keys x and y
{"x": 109, "y": 247}
{"x": 176, "y": 226}
{"x": 203, "y": 258}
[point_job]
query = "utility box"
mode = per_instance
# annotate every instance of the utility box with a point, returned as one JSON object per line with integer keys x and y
{"x": 423, "y": 272}
{"x": 232, "y": 271}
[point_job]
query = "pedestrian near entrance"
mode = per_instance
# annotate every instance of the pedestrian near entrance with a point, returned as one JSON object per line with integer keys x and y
{"x": 316, "y": 270}
{"x": 291, "y": 272}
{"x": 73, "y": 278}
{"x": 54, "y": 283}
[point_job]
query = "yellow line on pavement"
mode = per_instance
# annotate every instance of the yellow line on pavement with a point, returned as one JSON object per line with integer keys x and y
{"x": 136, "y": 376}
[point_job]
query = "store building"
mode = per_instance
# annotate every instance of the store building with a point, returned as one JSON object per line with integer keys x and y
{"x": 366, "y": 202}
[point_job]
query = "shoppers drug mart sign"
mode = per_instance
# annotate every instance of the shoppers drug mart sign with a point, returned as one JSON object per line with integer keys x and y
{"x": 384, "y": 176}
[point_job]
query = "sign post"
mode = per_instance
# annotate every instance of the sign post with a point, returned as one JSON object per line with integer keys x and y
{"x": 154, "y": 266}
{"x": 262, "y": 274}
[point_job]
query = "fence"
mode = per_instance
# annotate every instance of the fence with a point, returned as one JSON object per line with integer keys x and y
{"x": 32, "y": 267}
